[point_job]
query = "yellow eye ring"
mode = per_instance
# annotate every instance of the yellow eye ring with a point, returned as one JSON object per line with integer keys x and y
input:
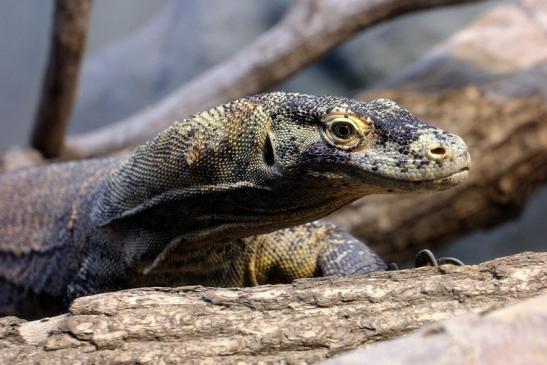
{"x": 346, "y": 132}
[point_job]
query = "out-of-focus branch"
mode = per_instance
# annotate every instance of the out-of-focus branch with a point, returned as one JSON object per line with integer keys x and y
{"x": 68, "y": 39}
{"x": 307, "y": 32}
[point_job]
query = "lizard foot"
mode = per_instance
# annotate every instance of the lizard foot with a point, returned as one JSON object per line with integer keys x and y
{"x": 427, "y": 258}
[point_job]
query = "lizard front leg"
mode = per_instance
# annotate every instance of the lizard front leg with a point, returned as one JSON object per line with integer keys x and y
{"x": 309, "y": 250}
{"x": 317, "y": 249}
{"x": 102, "y": 271}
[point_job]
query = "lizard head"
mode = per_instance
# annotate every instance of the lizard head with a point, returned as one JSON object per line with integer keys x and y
{"x": 372, "y": 147}
{"x": 275, "y": 160}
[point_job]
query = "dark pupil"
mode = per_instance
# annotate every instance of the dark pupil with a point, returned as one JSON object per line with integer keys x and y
{"x": 343, "y": 130}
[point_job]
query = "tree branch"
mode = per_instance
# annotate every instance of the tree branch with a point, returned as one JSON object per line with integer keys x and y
{"x": 307, "y": 32}
{"x": 516, "y": 334}
{"x": 68, "y": 38}
{"x": 306, "y": 321}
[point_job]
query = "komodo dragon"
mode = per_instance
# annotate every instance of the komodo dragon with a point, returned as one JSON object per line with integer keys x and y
{"x": 210, "y": 199}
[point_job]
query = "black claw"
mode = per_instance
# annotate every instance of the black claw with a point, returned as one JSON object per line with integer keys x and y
{"x": 427, "y": 258}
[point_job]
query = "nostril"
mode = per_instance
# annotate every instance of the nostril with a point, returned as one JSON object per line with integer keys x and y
{"x": 438, "y": 151}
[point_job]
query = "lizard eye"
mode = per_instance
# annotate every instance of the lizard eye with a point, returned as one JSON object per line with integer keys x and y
{"x": 342, "y": 129}
{"x": 346, "y": 132}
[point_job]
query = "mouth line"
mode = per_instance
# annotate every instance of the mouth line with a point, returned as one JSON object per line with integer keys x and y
{"x": 462, "y": 171}
{"x": 442, "y": 179}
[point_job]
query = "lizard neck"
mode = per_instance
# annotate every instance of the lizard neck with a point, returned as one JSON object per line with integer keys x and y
{"x": 180, "y": 185}
{"x": 213, "y": 152}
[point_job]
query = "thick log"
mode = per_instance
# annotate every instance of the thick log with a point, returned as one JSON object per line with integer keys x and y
{"x": 303, "y": 322}
{"x": 513, "y": 335}
{"x": 68, "y": 39}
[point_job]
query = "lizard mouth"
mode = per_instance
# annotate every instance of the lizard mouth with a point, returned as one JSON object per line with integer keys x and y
{"x": 459, "y": 175}
{"x": 454, "y": 179}
{"x": 383, "y": 184}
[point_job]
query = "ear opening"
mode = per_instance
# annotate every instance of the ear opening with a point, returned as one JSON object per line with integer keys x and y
{"x": 269, "y": 154}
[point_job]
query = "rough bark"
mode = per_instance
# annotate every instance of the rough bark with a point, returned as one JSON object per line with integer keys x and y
{"x": 68, "y": 39}
{"x": 513, "y": 335}
{"x": 474, "y": 86}
{"x": 307, "y": 32}
{"x": 303, "y": 322}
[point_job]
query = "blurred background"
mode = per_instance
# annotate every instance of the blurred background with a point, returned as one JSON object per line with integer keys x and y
{"x": 140, "y": 50}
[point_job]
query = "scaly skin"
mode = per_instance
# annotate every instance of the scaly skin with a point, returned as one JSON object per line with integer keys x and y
{"x": 305, "y": 251}
{"x": 211, "y": 200}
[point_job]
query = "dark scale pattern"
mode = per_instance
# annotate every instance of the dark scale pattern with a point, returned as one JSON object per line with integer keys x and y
{"x": 211, "y": 200}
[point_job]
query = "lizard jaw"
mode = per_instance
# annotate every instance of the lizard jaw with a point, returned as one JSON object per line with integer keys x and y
{"x": 379, "y": 184}
{"x": 441, "y": 183}
{"x": 449, "y": 181}
{"x": 456, "y": 174}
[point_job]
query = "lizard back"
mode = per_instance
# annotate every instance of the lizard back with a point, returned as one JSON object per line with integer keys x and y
{"x": 39, "y": 210}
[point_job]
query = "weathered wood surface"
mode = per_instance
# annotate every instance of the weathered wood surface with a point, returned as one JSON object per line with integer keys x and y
{"x": 303, "y": 322}
{"x": 516, "y": 335}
